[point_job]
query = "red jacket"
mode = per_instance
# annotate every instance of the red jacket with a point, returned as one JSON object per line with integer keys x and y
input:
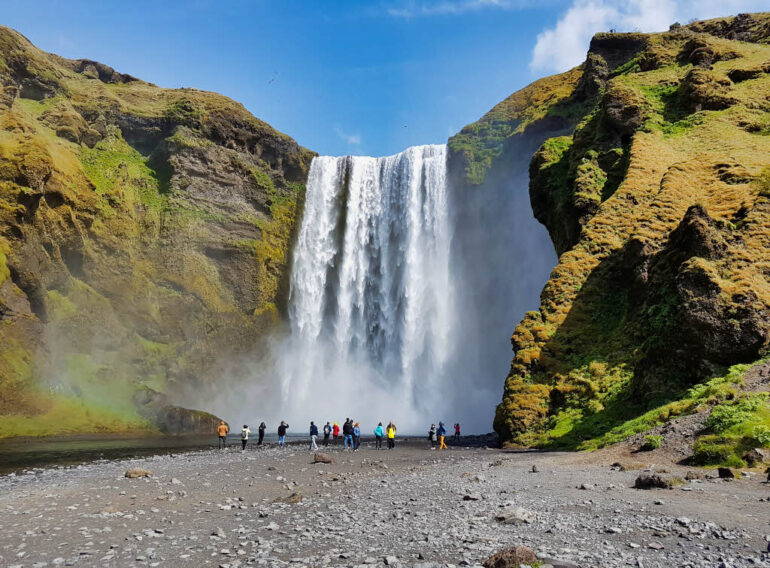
{"x": 336, "y": 430}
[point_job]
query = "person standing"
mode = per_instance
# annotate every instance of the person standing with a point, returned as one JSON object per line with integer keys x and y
{"x": 457, "y": 432}
{"x": 327, "y": 433}
{"x": 347, "y": 432}
{"x": 441, "y": 436}
{"x": 378, "y": 434}
{"x": 432, "y": 436}
{"x": 222, "y": 431}
{"x": 282, "y": 434}
{"x": 336, "y": 432}
{"x": 313, "y": 435}
{"x": 262, "y": 428}
{"x": 244, "y": 436}
{"x": 391, "y": 431}
{"x": 356, "y": 436}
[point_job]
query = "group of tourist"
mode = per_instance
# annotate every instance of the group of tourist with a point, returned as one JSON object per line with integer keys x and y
{"x": 350, "y": 433}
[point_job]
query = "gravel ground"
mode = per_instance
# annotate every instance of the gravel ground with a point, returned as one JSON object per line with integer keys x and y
{"x": 406, "y": 507}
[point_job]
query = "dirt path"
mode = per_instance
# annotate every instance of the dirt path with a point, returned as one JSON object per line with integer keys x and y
{"x": 418, "y": 507}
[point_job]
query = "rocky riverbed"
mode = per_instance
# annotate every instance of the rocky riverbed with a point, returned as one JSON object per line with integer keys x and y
{"x": 406, "y": 507}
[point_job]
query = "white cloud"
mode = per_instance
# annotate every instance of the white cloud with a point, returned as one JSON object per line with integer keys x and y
{"x": 413, "y": 9}
{"x": 565, "y": 45}
{"x": 352, "y": 139}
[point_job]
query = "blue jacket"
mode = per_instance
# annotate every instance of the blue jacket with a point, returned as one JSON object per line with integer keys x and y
{"x": 379, "y": 431}
{"x": 314, "y": 430}
{"x": 356, "y": 431}
{"x": 441, "y": 431}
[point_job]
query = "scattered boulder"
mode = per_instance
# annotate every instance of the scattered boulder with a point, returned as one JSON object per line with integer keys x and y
{"x": 515, "y": 516}
{"x": 511, "y": 558}
{"x": 219, "y": 533}
{"x": 322, "y": 458}
{"x": 628, "y": 466}
{"x": 651, "y": 481}
{"x": 756, "y": 456}
{"x": 472, "y": 496}
{"x": 725, "y": 473}
{"x": 135, "y": 472}
{"x": 293, "y": 499}
{"x": 534, "y": 469}
{"x": 691, "y": 475}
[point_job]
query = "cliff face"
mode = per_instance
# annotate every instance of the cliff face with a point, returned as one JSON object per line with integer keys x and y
{"x": 657, "y": 200}
{"x": 144, "y": 237}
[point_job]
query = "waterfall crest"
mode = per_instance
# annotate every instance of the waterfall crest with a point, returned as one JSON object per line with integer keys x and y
{"x": 371, "y": 301}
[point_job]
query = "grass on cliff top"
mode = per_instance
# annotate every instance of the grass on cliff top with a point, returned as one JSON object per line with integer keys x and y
{"x": 483, "y": 142}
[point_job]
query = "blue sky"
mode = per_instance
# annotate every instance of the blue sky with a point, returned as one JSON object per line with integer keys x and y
{"x": 346, "y": 77}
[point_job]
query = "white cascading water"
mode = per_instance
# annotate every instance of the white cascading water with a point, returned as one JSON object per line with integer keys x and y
{"x": 372, "y": 303}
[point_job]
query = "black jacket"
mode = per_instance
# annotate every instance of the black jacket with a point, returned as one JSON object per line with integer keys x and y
{"x": 314, "y": 430}
{"x": 282, "y": 429}
{"x": 347, "y": 429}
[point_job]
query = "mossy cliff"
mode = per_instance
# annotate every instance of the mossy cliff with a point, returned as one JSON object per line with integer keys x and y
{"x": 144, "y": 237}
{"x": 657, "y": 200}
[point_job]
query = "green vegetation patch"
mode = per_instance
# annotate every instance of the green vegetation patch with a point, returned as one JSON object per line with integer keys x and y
{"x": 112, "y": 165}
{"x": 735, "y": 427}
{"x": 621, "y": 418}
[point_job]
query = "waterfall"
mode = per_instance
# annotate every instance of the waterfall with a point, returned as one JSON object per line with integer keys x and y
{"x": 371, "y": 304}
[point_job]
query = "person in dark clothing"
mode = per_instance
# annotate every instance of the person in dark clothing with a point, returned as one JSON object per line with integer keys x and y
{"x": 313, "y": 436}
{"x": 457, "y": 432}
{"x": 262, "y": 428}
{"x": 347, "y": 432}
{"x": 327, "y": 433}
{"x": 282, "y": 434}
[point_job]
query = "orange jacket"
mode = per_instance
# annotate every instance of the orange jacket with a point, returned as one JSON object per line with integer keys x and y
{"x": 222, "y": 430}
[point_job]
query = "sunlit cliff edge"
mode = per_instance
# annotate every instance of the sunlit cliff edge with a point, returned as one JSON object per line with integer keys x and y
{"x": 657, "y": 199}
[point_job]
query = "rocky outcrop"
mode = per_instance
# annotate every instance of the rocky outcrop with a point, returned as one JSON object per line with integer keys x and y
{"x": 657, "y": 203}
{"x": 144, "y": 238}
